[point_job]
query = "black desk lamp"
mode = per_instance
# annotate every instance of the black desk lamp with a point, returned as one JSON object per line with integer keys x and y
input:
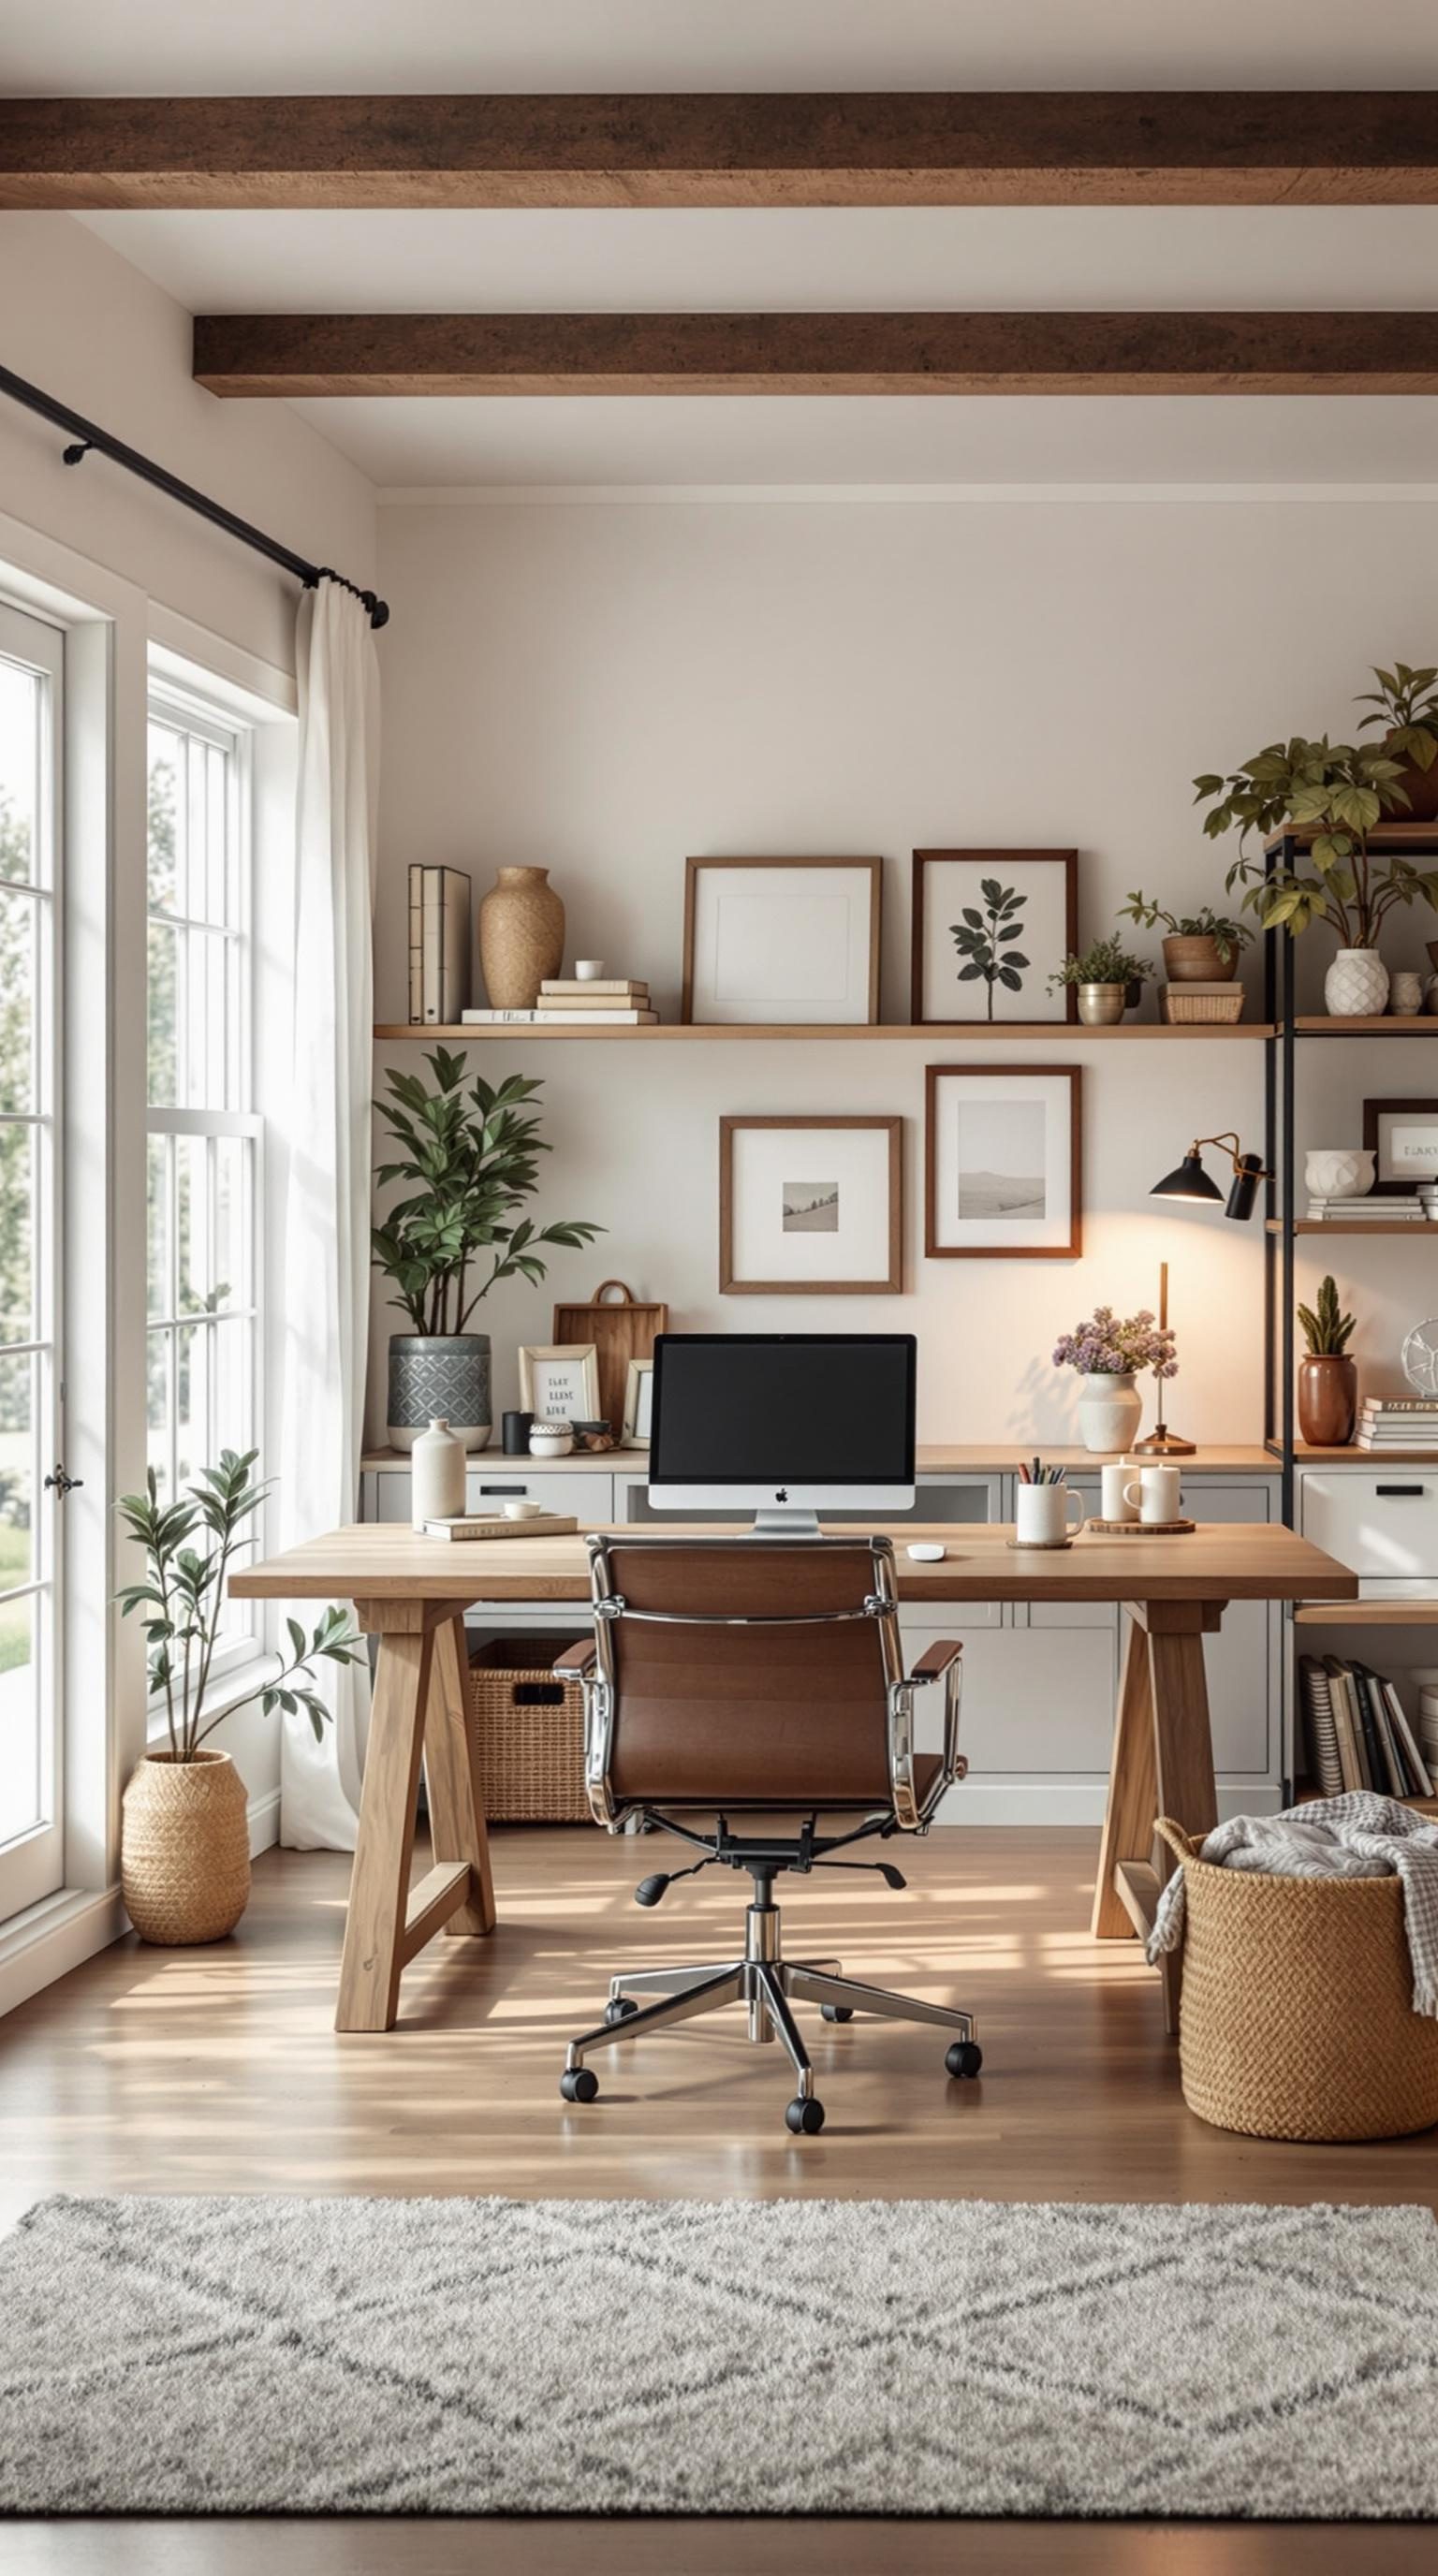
{"x": 1190, "y": 1183}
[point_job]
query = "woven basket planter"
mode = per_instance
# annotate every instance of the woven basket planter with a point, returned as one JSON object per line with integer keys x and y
{"x": 185, "y": 1849}
{"x": 1297, "y": 2018}
{"x": 527, "y": 1734}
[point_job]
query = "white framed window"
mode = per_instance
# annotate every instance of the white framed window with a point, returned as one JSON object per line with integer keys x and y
{"x": 205, "y": 1138}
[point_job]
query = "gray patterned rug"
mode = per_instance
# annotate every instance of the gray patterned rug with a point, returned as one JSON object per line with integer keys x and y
{"x": 815, "y": 2356}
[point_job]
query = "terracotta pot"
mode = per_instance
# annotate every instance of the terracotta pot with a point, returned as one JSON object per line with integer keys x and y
{"x": 1421, "y": 786}
{"x": 185, "y": 1849}
{"x": 1327, "y": 1400}
{"x": 521, "y": 937}
{"x": 1197, "y": 961}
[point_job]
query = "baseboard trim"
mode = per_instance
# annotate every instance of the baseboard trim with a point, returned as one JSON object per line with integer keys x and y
{"x": 49, "y": 1940}
{"x": 263, "y": 1816}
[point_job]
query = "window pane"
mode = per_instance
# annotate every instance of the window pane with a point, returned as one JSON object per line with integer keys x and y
{"x": 192, "y": 1401}
{"x": 159, "y": 1406}
{"x": 18, "y": 1146}
{"x": 21, "y": 1746}
{"x": 234, "y": 1194}
{"x": 232, "y": 1346}
{"x": 17, "y": 1472}
{"x": 159, "y": 1223}
{"x": 21, "y": 732}
{"x": 19, "y": 926}
{"x": 166, "y": 755}
{"x": 162, "y": 992}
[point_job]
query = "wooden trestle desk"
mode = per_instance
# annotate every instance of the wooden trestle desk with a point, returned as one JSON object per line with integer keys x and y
{"x": 412, "y": 1592}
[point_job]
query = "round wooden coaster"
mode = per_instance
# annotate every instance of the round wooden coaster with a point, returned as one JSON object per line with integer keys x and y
{"x": 1039, "y": 1546}
{"x": 1140, "y": 1529}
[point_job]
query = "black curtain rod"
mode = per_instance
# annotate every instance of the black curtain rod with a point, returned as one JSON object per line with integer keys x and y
{"x": 86, "y": 436}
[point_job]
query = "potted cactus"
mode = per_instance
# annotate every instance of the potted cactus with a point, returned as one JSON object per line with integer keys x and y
{"x": 1327, "y": 1377}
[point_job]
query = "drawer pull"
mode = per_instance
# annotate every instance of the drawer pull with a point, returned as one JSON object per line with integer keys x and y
{"x": 1400, "y": 1493}
{"x": 504, "y": 1489}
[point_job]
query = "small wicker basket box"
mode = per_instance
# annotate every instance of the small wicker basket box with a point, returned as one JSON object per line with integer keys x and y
{"x": 526, "y": 1732}
{"x": 1191, "y": 1005}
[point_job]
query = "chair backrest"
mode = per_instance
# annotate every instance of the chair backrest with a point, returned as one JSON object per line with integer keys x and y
{"x": 745, "y": 1671}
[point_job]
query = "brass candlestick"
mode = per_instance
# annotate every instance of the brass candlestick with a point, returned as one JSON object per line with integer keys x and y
{"x": 1161, "y": 1442}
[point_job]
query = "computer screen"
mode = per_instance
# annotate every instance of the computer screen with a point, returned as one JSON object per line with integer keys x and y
{"x": 761, "y": 1410}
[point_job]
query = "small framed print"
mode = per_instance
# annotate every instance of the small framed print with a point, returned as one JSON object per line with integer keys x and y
{"x": 638, "y": 1403}
{"x": 1402, "y": 1136}
{"x": 792, "y": 942}
{"x": 810, "y": 1207}
{"x": 989, "y": 928}
{"x": 559, "y": 1381}
{"x": 1003, "y": 1162}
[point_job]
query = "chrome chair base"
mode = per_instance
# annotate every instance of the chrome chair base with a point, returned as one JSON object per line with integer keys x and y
{"x": 767, "y": 1985}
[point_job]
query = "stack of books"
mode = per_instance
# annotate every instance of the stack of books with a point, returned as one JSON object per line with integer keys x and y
{"x": 617, "y": 1002}
{"x": 438, "y": 946}
{"x": 1398, "y": 1422}
{"x": 1428, "y": 1725}
{"x": 1406, "y": 1209}
{"x": 1358, "y": 1735}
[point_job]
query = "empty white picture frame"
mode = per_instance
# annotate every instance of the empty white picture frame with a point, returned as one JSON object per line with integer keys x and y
{"x": 781, "y": 941}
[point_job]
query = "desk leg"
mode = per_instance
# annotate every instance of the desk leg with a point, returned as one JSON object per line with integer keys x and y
{"x": 456, "y": 1808}
{"x": 384, "y": 1843}
{"x": 1162, "y": 1767}
{"x": 1132, "y": 1787}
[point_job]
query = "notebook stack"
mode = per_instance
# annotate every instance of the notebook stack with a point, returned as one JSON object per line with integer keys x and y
{"x": 620, "y": 1002}
{"x": 1405, "y": 1209}
{"x": 1358, "y": 1735}
{"x": 1398, "y": 1422}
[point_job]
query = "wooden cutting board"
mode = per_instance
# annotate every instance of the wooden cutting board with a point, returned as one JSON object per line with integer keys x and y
{"x": 621, "y": 1329}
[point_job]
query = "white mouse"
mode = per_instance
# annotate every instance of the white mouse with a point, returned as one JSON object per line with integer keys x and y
{"x": 926, "y": 1551}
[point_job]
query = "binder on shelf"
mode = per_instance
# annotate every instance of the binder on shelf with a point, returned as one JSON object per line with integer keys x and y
{"x": 438, "y": 945}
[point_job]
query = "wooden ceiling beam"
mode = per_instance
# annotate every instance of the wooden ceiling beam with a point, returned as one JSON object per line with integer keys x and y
{"x": 307, "y": 354}
{"x": 907, "y": 148}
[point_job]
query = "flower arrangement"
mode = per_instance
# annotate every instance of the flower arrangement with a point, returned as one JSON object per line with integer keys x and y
{"x": 1110, "y": 1345}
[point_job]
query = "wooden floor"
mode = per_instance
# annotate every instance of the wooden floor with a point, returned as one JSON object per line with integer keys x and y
{"x": 218, "y": 2070}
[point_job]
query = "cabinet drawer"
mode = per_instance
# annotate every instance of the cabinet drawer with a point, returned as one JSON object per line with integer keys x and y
{"x": 1385, "y": 1524}
{"x": 588, "y": 1496}
{"x": 1032, "y": 1701}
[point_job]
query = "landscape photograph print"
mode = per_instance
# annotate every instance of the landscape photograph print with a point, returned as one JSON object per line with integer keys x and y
{"x": 989, "y": 927}
{"x": 1003, "y": 1162}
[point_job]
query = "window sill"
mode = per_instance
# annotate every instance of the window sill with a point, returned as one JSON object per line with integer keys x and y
{"x": 244, "y": 1677}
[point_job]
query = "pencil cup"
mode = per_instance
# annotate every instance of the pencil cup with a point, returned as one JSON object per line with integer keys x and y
{"x": 1043, "y": 1519}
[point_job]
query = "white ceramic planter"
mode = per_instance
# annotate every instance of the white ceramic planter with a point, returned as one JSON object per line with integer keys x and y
{"x": 1110, "y": 1411}
{"x": 1356, "y": 985}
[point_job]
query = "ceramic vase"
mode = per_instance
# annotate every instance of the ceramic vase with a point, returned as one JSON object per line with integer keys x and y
{"x": 1110, "y": 1410}
{"x": 1406, "y": 999}
{"x": 521, "y": 937}
{"x": 439, "y": 1374}
{"x": 1339, "y": 1171}
{"x": 436, "y": 1484}
{"x": 1327, "y": 1399}
{"x": 1356, "y": 985}
{"x": 184, "y": 1849}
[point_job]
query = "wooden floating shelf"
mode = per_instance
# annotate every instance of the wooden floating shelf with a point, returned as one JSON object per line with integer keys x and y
{"x": 1353, "y": 1456}
{"x": 1358, "y": 1225}
{"x": 1319, "y": 1026}
{"x": 1385, "y": 836}
{"x": 1366, "y": 1614}
{"x": 947, "y": 1033}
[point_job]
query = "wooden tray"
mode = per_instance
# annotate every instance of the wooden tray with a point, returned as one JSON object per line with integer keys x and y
{"x": 621, "y": 1330}
{"x": 1140, "y": 1529}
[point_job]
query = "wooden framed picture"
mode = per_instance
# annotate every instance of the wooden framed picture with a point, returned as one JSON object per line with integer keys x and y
{"x": 1402, "y": 1136}
{"x": 1003, "y": 1162}
{"x": 559, "y": 1381}
{"x": 782, "y": 941}
{"x": 638, "y": 1404}
{"x": 989, "y": 928}
{"x": 811, "y": 1207}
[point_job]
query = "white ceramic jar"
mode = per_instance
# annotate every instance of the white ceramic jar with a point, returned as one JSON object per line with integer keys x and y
{"x": 1110, "y": 1410}
{"x": 436, "y": 1491}
{"x": 551, "y": 1439}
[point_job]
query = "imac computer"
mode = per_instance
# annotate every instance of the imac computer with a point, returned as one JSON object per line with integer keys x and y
{"x": 786, "y": 1425}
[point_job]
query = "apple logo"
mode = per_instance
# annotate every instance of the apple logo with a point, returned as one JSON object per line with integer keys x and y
{"x": 782, "y": 1495}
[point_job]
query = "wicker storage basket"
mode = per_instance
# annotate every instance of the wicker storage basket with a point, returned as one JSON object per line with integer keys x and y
{"x": 184, "y": 1848}
{"x": 527, "y": 1733}
{"x": 1297, "y": 2018}
{"x": 1183, "y": 1009}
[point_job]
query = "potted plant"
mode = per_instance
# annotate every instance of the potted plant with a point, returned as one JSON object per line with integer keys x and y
{"x": 1109, "y": 980}
{"x": 474, "y": 1155}
{"x": 1327, "y": 1377}
{"x": 185, "y": 1844}
{"x": 1339, "y": 792}
{"x": 1200, "y": 947}
{"x": 1407, "y": 704}
{"x": 1108, "y": 1351}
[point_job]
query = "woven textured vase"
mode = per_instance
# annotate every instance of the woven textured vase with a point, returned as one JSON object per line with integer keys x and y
{"x": 1356, "y": 985}
{"x": 521, "y": 937}
{"x": 185, "y": 1849}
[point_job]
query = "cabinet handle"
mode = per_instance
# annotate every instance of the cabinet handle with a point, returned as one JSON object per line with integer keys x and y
{"x": 504, "y": 1489}
{"x": 1400, "y": 1493}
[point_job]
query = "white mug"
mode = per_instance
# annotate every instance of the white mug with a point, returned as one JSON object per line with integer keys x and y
{"x": 1158, "y": 1493}
{"x": 1114, "y": 1482}
{"x": 1042, "y": 1515}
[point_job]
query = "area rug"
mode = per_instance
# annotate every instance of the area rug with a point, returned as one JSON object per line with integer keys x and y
{"x": 785, "y": 2357}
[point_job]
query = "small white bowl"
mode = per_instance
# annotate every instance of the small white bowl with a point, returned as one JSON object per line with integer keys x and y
{"x": 522, "y": 1511}
{"x": 588, "y": 970}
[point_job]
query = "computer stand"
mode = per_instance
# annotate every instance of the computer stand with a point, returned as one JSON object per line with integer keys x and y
{"x": 793, "y": 1523}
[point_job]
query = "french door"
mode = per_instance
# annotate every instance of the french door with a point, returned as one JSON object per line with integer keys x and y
{"x": 32, "y": 1480}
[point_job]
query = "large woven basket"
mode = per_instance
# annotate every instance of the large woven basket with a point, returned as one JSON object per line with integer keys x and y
{"x": 1297, "y": 2017}
{"x": 527, "y": 1733}
{"x": 184, "y": 1848}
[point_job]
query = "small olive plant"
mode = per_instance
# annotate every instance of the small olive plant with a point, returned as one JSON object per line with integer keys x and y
{"x": 1326, "y": 1329}
{"x": 183, "y": 1597}
{"x": 1107, "y": 961}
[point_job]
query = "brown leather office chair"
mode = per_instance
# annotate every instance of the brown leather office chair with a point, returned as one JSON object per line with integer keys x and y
{"x": 736, "y": 1676}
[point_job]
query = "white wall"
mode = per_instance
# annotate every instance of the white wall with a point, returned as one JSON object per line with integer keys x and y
{"x": 606, "y": 688}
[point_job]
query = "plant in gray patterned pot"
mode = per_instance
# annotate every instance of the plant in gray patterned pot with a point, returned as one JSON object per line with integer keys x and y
{"x": 471, "y": 1154}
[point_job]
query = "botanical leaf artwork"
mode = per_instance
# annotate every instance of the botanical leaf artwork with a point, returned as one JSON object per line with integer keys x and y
{"x": 983, "y": 940}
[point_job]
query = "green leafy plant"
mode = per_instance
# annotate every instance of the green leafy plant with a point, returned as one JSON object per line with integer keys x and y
{"x": 183, "y": 1599}
{"x": 1326, "y": 1329}
{"x": 1407, "y": 704}
{"x": 1339, "y": 792}
{"x": 474, "y": 1154}
{"x": 1106, "y": 962}
{"x": 1228, "y": 936}
{"x": 981, "y": 939}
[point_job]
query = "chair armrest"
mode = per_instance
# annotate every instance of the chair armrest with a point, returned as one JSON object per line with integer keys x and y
{"x": 576, "y": 1663}
{"x": 935, "y": 1660}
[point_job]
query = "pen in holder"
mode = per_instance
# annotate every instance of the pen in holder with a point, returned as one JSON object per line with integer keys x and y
{"x": 1042, "y": 1511}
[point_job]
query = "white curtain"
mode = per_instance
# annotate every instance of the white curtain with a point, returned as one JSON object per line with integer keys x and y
{"x": 327, "y": 1203}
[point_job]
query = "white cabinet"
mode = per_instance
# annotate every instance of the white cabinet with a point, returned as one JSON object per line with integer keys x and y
{"x": 1384, "y": 1524}
{"x": 490, "y": 1484}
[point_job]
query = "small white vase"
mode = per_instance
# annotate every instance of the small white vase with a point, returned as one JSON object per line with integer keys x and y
{"x": 436, "y": 1491}
{"x": 1110, "y": 1410}
{"x": 1339, "y": 1171}
{"x": 1356, "y": 985}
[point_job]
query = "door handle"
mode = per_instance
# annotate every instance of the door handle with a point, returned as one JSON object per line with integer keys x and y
{"x": 61, "y": 1483}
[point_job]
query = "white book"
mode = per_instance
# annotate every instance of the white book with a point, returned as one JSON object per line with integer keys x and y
{"x": 613, "y": 987}
{"x": 473, "y": 1525}
{"x": 565, "y": 1019}
{"x": 1398, "y": 1721}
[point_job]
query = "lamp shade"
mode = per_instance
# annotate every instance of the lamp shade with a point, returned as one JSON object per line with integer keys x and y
{"x": 1191, "y": 1182}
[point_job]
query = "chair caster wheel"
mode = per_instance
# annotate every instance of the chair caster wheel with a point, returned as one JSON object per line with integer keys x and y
{"x": 623, "y": 2008}
{"x": 579, "y": 2084}
{"x": 805, "y": 2118}
{"x": 836, "y": 2012}
{"x": 964, "y": 2058}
